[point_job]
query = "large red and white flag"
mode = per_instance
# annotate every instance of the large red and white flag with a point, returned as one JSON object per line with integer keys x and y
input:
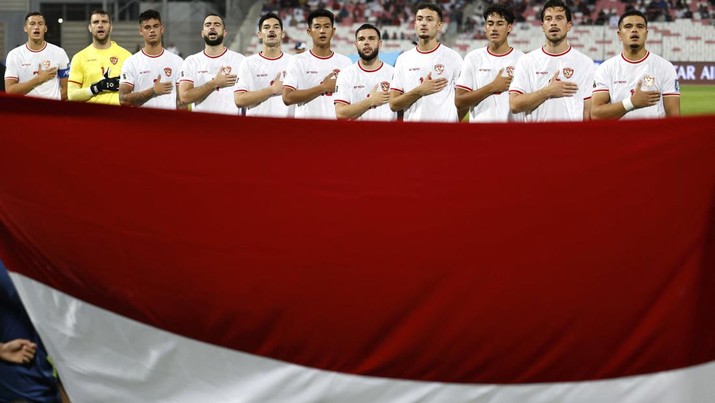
{"x": 168, "y": 256}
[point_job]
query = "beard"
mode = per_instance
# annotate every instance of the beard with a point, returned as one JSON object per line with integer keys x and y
{"x": 368, "y": 57}
{"x": 103, "y": 40}
{"x": 214, "y": 42}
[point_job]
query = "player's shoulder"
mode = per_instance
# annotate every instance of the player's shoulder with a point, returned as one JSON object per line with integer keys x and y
{"x": 342, "y": 59}
{"x": 235, "y": 55}
{"x": 517, "y": 52}
{"x": 577, "y": 54}
{"x": 660, "y": 59}
{"x": 476, "y": 53}
{"x": 449, "y": 51}
{"x": 115, "y": 47}
{"x": 82, "y": 54}
{"x": 173, "y": 56}
{"x": 15, "y": 52}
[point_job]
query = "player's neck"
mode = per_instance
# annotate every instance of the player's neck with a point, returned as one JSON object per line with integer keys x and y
{"x": 427, "y": 44}
{"x": 214, "y": 50}
{"x": 36, "y": 44}
{"x": 271, "y": 52}
{"x": 370, "y": 65}
{"x": 499, "y": 48}
{"x": 322, "y": 51}
{"x": 634, "y": 55}
{"x": 102, "y": 45}
{"x": 153, "y": 50}
{"x": 558, "y": 47}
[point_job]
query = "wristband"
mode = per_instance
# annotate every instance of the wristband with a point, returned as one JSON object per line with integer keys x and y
{"x": 628, "y": 104}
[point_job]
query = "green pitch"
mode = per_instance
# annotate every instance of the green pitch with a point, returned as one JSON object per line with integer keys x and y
{"x": 697, "y": 99}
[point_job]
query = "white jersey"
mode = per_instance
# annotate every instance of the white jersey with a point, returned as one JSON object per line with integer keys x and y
{"x": 258, "y": 72}
{"x": 355, "y": 84}
{"x": 140, "y": 71}
{"x": 479, "y": 69}
{"x": 307, "y": 70}
{"x": 413, "y": 66}
{"x": 201, "y": 68}
{"x": 536, "y": 68}
{"x": 619, "y": 77}
{"x": 24, "y": 63}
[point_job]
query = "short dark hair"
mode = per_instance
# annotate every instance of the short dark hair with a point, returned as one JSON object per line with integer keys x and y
{"x": 215, "y": 15}
{"x": 321, "y": 12}
{"x": 430, "y": 6}
{"x": 368, "y": 26}
{"x": 148, "y": 15}
{"x": 100, "y": 12}
{"x": 501, "y": 10}
{"x": 632, "y": 12}
{"x": 556, "y": 4}
{"x": 34, "y": 13}
{"x": 268, "y": 16}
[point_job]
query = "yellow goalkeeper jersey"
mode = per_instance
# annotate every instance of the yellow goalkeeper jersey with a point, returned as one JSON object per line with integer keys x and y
{"x": 88, "y": 67}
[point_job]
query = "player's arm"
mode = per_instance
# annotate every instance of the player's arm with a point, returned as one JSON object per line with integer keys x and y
{"x": 352, "y": 111}
{"x": 128, "y": 97}
{"x": 602, "y": 108}
{"x": 245, "y": 99}
{"x": 671, "y": 104}
{"x": 401, "y": 101}
{"x": 180, "y": 105}
{"x": 554, "y": 89}
{"x": 77, "y": 93}
{"x": 189, "y": 94}
{"x": 294, "y": 96}
{"x": 13, "y": 86}
{"x": 587, "y": 109}
{"x": 465, "y": 99}
{"x": 63, "y": 88}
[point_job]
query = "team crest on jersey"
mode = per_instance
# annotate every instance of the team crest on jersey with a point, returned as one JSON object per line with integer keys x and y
{"x": 648, "y": 80}
{"x": 167, "y": 71}
{"x": 226, "y": 70}
{"x": 385, "y": 86}
{"x": 510, "y": 71}
{"x": 45, "y": 64}
{"x": 439, "y": 68}
{"x": 568, "y": 72}
{"x": 114, "y": 60}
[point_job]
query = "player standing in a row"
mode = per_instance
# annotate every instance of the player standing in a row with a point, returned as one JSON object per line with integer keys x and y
{"x": 310, "y": 81}
{"x": 260, "y": 76}
{"x": 555, "y": 82}
{"x": 94, "y": 71}
{"x": 37, "y": 68}
{"x": 208, "y": 78}
{"x": 149, "y": 76}
{"x": 483, "y": 84}
{"x": 423, "y": 83}
{"x": 636, "y": 84}
{"x": 363, "y": 89}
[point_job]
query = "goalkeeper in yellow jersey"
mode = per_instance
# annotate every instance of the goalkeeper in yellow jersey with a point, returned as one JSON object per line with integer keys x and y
{"x": 94, "y": 70}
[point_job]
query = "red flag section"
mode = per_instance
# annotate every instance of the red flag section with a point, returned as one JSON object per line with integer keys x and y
{"x": 485, "y": 253}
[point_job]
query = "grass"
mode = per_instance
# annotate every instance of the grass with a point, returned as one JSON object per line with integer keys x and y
{"x": 697, "y": 99}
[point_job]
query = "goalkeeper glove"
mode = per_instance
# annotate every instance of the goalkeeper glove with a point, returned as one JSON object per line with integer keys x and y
{"x": 106, "y": 84}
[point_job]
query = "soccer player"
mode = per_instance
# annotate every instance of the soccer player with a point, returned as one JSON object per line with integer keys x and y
{"x": 362, "y": 91}
{"x": 37, "y": 68}
{"x": 149, "y": 76}
{"x": 310, "y": 81}
{"x": 637, "y": 83}
{"x": 424, "y": 79}
{"x": 208, "y": 78}
{"x": 94, "y": 71}
{"x": 260, "y": 77}
{"x": 553, "y": 83}
{"x": 483, "y": 84}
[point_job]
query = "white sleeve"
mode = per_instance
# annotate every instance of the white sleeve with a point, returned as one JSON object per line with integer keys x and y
{"x": 466, "y": 74}
{"x": 588, "y": 81}
{"x": 12, "y": 69}
{"x": 245, "y": 78}
{"x": 292, "y": 78}
{"x": 127, "y": 76}
{"x": 187, "y": 69}
{"x": 520, "y": 83}
{"x": 396, "y": 83}
{"x": 670, "y": 80}
{"x": 342, "y": 88}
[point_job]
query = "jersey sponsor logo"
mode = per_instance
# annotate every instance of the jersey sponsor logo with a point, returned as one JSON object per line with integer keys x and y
{"x": 510, "y": 71}
{"x": 354, "y": 87}
{"x": 439, "y": 68}
{"x": 26, "y": 64}
{"x": 226, "y": 70}
{"x": 262, "y": 75}
{"x": 568, "y": 72}
{"x": 385, "y": 86}
{"x": 114, "y": 60}
{"x": 648, "y": 80}
{"x": 485, "y": 70}
{"x": 311, "y": 72}
{"x": 620, "y": 82}
{"x": 413, "y": 69}
{"x": 167, "y": 71}
{"x": 542, "y": 73}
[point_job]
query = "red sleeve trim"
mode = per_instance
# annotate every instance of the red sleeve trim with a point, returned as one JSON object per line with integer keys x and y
{"x": 289, "y": 87}
{"x": 397, "y": 89}
{"x": 186, "y": 81}
{"x": 75, "y": 82}
{"x": 673, "y": 94}
{"x": 601, "y": 90}
{"x": 340, "y": 101}
{"x": 241, "y": 91}
{"x": 464, "y": 87}
{"x": 516, "y": 92}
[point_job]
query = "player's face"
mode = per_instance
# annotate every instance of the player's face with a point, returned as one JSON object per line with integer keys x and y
{"x": 35, "y": 28}
{"x": 321, "y": 31}
{"x": 213, "y": 30}
{"x": 427, "y": 23}
{"x": 100, "y": 27}
{"x": 633, "y": 32}
{"x": 368, "y": 44}
{"x": 555, "y": 24}
{"x": 151, "y": 30}
{"x": 497, "y": 29}
{"x": 271, "y": 33}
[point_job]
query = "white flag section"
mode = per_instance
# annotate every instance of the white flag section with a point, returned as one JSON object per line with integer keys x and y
{"x": 104, "y": 357}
